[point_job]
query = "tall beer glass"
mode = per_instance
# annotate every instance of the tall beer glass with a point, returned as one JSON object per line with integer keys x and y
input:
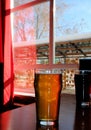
{"x": 48, "y": 86}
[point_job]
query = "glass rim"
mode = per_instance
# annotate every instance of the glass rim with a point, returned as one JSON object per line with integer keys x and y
{"x": 48, "y": 71}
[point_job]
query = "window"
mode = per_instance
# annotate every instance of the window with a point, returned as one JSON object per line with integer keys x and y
{"x": 34, "y": 35}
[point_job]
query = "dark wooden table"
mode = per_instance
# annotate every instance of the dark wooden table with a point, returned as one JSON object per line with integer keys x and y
{"x": 71, "y": 117}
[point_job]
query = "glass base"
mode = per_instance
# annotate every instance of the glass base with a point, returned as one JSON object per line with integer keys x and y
{"x": 85, "y": 104}
{"x": 46, "y": 127}
{"x": 48, "y": 123}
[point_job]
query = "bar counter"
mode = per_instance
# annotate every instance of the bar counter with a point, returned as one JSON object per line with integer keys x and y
{"x": 70, "y": 118}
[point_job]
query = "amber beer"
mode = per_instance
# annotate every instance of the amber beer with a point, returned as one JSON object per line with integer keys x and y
{"x": 47, "y": 91}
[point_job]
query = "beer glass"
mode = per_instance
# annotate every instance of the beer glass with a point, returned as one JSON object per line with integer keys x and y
{"x": 82, "y": 88}
{"x": 48, "y": 86}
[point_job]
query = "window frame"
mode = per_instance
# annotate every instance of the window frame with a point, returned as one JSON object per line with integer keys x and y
{"x": 51, "y": 38}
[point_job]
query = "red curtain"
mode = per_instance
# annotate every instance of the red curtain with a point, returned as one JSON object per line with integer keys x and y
{"x": 1, "y": 46}
{"x": 8, "y": 56}
{"x": 1, "y": 59}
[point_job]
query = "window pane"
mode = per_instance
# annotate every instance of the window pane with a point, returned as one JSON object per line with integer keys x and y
{"x": 30, "y": 29}
{"x": 31, "y": 35}
{"x": 72, "y": 22}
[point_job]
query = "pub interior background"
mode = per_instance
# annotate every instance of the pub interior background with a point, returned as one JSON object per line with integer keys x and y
{"x": 33, "y": 38}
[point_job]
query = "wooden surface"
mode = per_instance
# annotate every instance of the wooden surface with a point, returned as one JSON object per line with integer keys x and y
{"x": 71, "y": 118}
